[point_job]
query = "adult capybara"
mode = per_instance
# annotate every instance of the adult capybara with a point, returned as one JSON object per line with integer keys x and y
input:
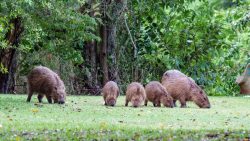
{"x": 110, "y": 93}
{"x": 135, "y": 94}
{"x": 184, "y": 89}
{"x": 46, "y": 82}
{"x": 157, "y": 94}
{"x": 244, "y": 81}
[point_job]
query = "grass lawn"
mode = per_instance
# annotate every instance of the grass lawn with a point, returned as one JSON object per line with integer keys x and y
{"x": 85, "y": 117}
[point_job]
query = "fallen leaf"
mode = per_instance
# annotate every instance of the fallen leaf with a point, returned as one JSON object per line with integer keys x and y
{"x": 34, "y": 110}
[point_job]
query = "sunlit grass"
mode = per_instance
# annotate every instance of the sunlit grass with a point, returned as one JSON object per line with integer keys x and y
{"x": 86, "y": 117}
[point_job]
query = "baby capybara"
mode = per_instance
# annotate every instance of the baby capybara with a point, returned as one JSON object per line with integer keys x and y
{"x": 157, "y": 94}
{"x": 135, "y": 94}
{"x": 46, "y": 82}
{"x": 184, "y": 89}
{"x": 110, "y": 93}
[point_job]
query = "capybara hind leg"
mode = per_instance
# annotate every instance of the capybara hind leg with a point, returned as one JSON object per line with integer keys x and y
{"x": 174, "y": 103}
{"x": 146, "y": 102}
{"x": 29, "y": 96}
{"x": 40, "y": 97}
{"x": 49, "y": 98}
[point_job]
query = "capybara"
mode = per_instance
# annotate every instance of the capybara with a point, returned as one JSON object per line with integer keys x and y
{"x": 244, "y": 81}
{"x": 157, "y": 94}
{"x": 135, "y": 94}
{"x": 46, "y": 82}
{"x": 110, "y": 92}
{"x": 184, "y": 89}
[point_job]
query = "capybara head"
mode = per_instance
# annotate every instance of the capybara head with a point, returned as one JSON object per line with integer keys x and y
{"x": 167, "y": 101}
{"x": 60, "y": 95}
{"x": 110, "y": 100}
{"x": 199, "y": 96}
{"x": 136, "y": 101}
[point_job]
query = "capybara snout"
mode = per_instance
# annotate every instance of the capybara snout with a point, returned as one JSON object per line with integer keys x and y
{"x": 111, "y": 101}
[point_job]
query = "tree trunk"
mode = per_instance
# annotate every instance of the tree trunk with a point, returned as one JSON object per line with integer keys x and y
{"x": 103, "y": 54}
{"x": 8, "y": 57}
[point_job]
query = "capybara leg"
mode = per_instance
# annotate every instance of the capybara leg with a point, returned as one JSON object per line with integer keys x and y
{"x": 55, "y": 100}
{"x": 158, "y": 104}
{"x": 49, "y": 98}
{"x": 40, "y": 97}
{"x": 29, "y": 96}
{"x": 126, "y": 103}
{"x": 105, "y": 103}
{"x": 146, "y": 102}
{"x": 183, "y": 102}
{"x": 174, "y": 103}
{"x": 154, "y": 104}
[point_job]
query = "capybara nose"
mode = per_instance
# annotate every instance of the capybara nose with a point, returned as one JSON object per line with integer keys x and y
{"x": 61, "y": 102}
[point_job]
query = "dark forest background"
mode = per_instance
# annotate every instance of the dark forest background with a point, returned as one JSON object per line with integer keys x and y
{"x": 88, "y": 42}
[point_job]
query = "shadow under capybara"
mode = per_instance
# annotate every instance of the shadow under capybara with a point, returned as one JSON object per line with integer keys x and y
{"x": 184, "y": 89}
{"x": 110, "y": 92}
{"x": 46, "y": 82}
{"x": 135, "y": 94}
{"x": 157, "y": 94}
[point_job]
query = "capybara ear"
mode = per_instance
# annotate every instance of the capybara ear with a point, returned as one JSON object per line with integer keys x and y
{"x": 192, "y": 85}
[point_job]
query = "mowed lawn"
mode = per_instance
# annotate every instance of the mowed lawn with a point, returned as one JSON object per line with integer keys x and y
{"x": 85, "y": 117}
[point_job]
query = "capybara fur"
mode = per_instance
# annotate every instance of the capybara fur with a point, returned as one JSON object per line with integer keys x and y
{"x": 184, "y": 89}
{"x": 46, "y": 82}
{"x": 157, "y": 94}
{"x": 110, "y": 92}
{"x": 135, "y": 94}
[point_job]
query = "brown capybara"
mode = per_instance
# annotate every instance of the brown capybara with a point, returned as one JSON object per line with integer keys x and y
{"x": 157, "y": 94}
{"x": 135, "y": 94}
{"x": 184, "y": 89}
{"x": 244, "y": 81}
{"x": 110, "y": 92}
{"x": 46, "y": 82}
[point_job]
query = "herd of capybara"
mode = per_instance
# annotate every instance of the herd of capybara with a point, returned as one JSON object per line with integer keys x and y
{"x": 174, "y": 86}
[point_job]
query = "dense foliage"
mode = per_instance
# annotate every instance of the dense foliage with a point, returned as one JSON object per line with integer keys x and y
{"x": 206, "y": 39}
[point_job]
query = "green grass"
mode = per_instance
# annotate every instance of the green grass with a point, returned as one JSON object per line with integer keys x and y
{"x": 85, "y": 117}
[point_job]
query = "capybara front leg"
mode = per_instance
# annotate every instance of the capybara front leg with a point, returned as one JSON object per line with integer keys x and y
{"x": 49, "y": 98}
{"x": 146, "y": 102}
{"x": 55, "y": 100}
{"x": 40, "y": 97}
{"x": 126, "y": 102}
{"x": 158, "y": 103}
{"x": 183, "y": 102}
{"x": 29, "y": 95}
